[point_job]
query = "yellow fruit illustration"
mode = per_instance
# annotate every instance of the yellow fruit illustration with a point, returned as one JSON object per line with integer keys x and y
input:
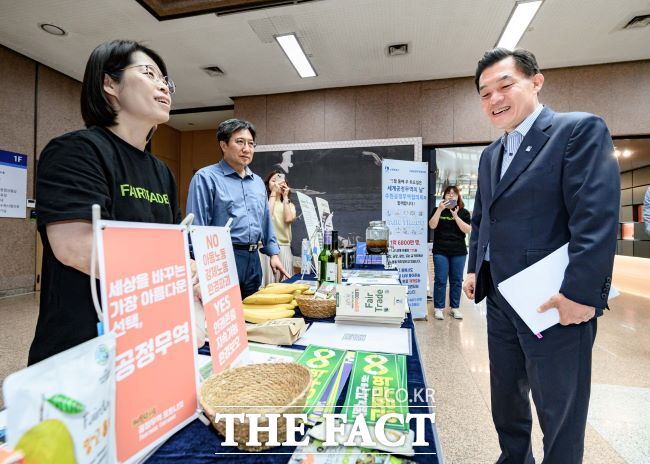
{"x": 47, "y": 443}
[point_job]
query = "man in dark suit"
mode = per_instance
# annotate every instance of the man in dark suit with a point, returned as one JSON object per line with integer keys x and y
{"x": 550, "y": 179}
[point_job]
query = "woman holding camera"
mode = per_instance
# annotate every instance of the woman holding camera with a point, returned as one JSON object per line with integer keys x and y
{"x": 451, "y": 222}
{"x": 283, "y": 213}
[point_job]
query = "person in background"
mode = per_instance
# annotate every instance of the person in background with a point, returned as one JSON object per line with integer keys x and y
{"x": 125, "y": 94}
{"x": 451, "y": 224}
{"x": 230, "y": 190}
{"x": 283, "y": 213}
{"x": 550, "y": 179}
{"x": 646, "y": 211}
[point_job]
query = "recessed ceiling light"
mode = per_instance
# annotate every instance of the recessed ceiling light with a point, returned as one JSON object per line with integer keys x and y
{"x": 520, "y": 18}
{"x": 627, "y": 153}
{"x": 295, "y": 53}
{"x": 213, "y": 71}
{"x": 52, "y": 29}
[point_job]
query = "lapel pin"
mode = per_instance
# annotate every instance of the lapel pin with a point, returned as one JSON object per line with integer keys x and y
{"x": 528, "y": 148}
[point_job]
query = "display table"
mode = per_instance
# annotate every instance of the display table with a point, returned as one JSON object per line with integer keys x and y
{"x": 198, "y": 443}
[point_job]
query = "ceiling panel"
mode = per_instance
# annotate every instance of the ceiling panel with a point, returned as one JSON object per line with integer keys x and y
{"x": 346, "y": 39}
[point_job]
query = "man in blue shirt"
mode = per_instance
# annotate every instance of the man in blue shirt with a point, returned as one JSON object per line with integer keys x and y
{"x": 646, "y": 210}
{"x": 230, "y": 190}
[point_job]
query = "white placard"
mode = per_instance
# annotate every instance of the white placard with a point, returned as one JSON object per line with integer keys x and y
{"x": 404, "y": 208}
{"x": 358, "y": 337}
{"x": 312, "y": 223}
{"x": 13, "y": 184}
{"x": 221, "y": 296}
{"x": 323, "y": 211}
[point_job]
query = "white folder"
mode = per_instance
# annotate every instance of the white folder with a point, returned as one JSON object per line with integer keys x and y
{"x": 529, "y": 289}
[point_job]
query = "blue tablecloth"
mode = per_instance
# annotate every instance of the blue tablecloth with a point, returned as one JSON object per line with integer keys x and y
{"x": 197, "y": 443}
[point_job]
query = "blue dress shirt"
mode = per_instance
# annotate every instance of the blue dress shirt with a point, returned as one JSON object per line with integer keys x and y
{"x": 217, "y": 193}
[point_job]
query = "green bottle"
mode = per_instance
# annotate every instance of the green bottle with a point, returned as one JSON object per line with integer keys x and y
{"x": 327, "y": 266}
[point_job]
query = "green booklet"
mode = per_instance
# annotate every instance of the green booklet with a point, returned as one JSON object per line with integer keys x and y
{"x": 377, "y": 387}
{"x": 323, "y": 363}
{"x": 331, "y": 394}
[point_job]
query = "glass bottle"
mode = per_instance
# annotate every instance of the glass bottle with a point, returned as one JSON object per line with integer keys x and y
{"x": 327, "y": 267}
{"x": 337, "y": 257}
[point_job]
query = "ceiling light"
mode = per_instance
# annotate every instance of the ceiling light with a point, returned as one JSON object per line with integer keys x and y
{"x": 293, "y": 50}
{"x": 617, "y": 153}
{"x": 213, "y": 71}
{"x": 519, "y": 20}
{"x": 627, "y": 153}
{"x": 52, "y": 29}
{"x": 397, "y": 49}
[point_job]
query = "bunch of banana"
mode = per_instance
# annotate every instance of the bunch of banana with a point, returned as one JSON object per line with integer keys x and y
{"x": 258, "y": 316}
{"x": 280, "y": 289}
{"x": 275, "y": 301}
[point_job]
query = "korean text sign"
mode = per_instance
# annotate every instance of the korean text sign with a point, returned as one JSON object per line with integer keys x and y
{"x": 148, "y": 304}
{"x": 215, "y": 263}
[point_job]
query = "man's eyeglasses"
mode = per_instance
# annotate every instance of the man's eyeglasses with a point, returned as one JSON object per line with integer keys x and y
{"x": 155, "y": 75}
{"x": 243, "y": 142}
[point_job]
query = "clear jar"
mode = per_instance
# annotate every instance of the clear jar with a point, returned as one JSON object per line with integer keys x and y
{"x": 377, "y": 238}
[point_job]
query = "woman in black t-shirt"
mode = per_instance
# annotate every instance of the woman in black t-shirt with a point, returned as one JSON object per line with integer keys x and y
{"x": 125, "y": 94}
{"x": 451, "y": 222}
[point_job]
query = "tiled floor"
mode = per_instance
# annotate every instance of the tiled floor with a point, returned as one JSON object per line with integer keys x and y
{"x": 456, "y": 365}
{"x": 454, "y": 355}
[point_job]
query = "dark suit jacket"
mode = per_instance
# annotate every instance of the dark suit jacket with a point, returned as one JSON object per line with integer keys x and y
{"x": 563, "y": 185}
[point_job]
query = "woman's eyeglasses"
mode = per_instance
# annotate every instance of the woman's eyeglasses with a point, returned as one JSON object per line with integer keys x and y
{"x": 155, "y": 75}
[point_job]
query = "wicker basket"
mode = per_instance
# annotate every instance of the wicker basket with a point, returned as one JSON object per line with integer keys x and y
{"x": 276, "y": 388}
{"x": 316, "y": 309}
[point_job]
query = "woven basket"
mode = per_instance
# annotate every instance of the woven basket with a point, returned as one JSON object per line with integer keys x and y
{"x": 279, "y": 387}
{"x": 316, "y": 309}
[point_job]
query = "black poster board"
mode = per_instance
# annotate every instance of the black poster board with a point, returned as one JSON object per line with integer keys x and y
{"x": 346, "y": 174}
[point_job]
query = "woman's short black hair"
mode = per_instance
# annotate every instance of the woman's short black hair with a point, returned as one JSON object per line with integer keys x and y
{"x": 108, "y": 58}
{"x": 230, "y": 126}
{"x": 525, "y": 62}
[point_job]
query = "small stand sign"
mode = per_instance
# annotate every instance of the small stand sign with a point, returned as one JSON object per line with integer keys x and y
{"x": 217, "y": 271}
{"x": 147, "y": 302}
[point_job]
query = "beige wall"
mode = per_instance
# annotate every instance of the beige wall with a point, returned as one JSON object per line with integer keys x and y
{"x": 198, "y": 149}
{"x": 444, "y": 112}
{"x": 36, "y": 104}
{"x": 17, "y": 95}
{"x": 166, "y": 145}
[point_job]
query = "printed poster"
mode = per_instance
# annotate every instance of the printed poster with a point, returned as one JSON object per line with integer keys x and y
{"x": 378, "y": 386}
{"x": 312, "y": 223}
{"x": 221, "y": 297}
{"x": 147, "y": 302}
{"x": 324, "y": 213}
{"x": 13, "y": 184}
{"x": 404, "y": 208}
{"x": 323, "y": 363}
